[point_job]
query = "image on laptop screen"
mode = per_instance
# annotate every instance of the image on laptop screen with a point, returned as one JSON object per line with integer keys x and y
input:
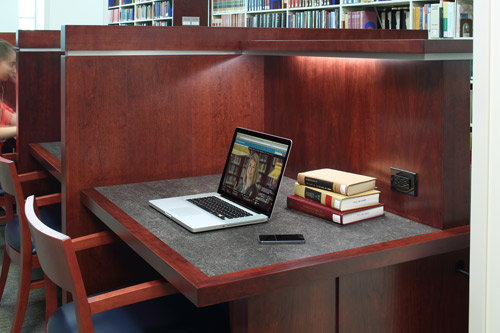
{"x": 253, "y": 171}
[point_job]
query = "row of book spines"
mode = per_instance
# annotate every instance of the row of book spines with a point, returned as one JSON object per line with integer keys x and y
{"x": 229, "y": 20}
{"x": 322, "y": 19}
{"x": 347, "y": 2}
{"x": 160, "y": 10}
{"x": 360, "y": 20}
{"x": 228, "y": 5}
{"x": 312, "y": 208}
{"x": 269, "y": 20}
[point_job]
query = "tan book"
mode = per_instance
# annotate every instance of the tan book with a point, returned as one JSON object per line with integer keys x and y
{"x": 342, "y": 182}
{"x": 335, "y": 200}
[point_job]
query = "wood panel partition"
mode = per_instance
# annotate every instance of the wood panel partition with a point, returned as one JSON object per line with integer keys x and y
{"x": 39, "y": 91}
{"x": 141, "y": 115}
{"x": 196, "y": 8}
{"x": 366, "y": 116}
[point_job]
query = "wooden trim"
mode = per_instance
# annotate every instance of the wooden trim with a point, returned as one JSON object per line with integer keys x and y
{"x": 35, "y": 175}
{"x": 204, "y": 290}
{"x": 134, "y": 294}
{"x": 207, "y": 38}
{"x": 93, "y": 240}
{"x": 49, "y": 199}
{"x": 47, "y": 160}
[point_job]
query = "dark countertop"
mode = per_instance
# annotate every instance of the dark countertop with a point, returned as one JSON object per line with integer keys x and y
{"x": 235, "y": 249}
{"x": 53, "y": 147}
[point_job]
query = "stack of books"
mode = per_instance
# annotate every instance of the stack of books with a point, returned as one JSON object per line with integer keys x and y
{"x": 337, "y": 196}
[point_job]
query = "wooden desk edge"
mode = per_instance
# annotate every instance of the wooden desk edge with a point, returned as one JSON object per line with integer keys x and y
{"x": 203, "y": 290}
{"x": 47, "y": 160}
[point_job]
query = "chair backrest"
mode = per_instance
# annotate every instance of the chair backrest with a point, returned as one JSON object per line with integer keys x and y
{"x": 58, "y": 260}
{"x": 9, "y": 181}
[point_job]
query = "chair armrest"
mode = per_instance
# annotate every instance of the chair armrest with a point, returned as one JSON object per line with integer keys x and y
{"x": 129, "y": 295}
{"x": 10, "y": 156}
{"x": 29, "y": 176}
{"x": 94, "y": 240}
{"x": 48, "y": 199}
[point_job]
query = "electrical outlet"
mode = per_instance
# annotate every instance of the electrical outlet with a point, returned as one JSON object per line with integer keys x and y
{"x": 404, "y": 181}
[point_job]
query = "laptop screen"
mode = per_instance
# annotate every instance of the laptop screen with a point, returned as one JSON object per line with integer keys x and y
{"x": 254, "y": 168}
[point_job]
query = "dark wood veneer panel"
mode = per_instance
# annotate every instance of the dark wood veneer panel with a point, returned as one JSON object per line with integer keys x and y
{"x": 367, "y": 46}
{"x": 365, "y": 116}
{"x": 456, "y": 178}
{"x": 294, "y": 309}
{"x": 206, "y": 38}
{"x": 39, "y": 102}
{"x": 424, "y": 295}
{"x": 133, "y": 119}
{"x": 9, "y": 37}
{"x": 39, "y": 39}
{"x": 191, "y": 8}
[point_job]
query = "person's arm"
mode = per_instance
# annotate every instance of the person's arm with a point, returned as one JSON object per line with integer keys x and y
{"x": 7, "y": 132}
{"x": 13, "y": 119}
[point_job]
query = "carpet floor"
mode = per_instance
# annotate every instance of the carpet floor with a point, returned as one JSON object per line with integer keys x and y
{"x": 34, "y": 320}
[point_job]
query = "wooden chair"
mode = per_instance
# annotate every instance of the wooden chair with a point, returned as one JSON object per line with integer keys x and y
{"x": 138, "y": 308}
{"x": 4, "y": 218}
{"x": 18, "y": 246}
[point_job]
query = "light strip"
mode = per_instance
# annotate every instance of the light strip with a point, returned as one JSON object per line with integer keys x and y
{"x": 40, "y": 50}
{"x": 147, "y": 53}
{"x": 366, "y": 55}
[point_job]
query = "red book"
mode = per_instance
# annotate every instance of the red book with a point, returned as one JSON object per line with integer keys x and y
{"x": 312, "y": 208}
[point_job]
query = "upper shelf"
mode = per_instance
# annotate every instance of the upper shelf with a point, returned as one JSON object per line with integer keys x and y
{"x": 414, "y": 44}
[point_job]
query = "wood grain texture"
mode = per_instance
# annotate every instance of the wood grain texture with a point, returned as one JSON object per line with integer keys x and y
{"x": 206, "y": 38}
{"x": 9, "y": 37}
{"x": 424, "y": 295}
{"x": 197, "y": 8}
{"x": 365, "y": 116}
{"x": 39, "y": 39}
{"x": 39, "y": 102}
{"x": 132, "y": 119}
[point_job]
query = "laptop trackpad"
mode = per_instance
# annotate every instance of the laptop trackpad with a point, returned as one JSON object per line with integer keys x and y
{"x": 186, "y": 211}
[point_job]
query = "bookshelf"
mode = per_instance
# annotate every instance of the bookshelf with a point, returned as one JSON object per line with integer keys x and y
{"x": 140, "y": 12}
{"x": 456, "y": 19}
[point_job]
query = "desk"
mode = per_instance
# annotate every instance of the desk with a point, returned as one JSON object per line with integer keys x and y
{"x": 48, "y": 154}
{"x": 291, "y": 287}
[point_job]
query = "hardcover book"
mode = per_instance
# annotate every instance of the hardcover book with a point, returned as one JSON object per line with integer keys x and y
{"x": 336, "y": 200}
{"x": 342, "y": 182}
{"x": 315, "y": 209}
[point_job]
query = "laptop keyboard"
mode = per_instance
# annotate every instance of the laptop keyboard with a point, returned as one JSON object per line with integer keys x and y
{"x": 219, "y": 207}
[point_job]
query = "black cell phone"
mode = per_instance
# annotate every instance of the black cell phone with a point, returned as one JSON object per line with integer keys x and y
{"x": 282, "y": 239}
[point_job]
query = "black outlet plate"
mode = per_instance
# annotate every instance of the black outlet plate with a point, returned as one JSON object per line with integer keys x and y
{"x": 404, "y": 181}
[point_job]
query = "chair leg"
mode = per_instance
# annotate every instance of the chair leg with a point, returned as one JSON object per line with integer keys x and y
{"x": 5, "y": 271}
{"x": 23, "y": 293}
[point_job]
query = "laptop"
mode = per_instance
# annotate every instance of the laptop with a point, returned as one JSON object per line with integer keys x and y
{"x": 248, "y": 187}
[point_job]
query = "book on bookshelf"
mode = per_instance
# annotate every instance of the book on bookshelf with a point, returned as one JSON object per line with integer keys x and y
{"x": 315, "y": 209}
{"x": 342, "y": 182}
{"x": 336, "y": 200}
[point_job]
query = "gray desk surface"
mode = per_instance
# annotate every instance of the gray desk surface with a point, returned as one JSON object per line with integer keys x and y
{"x": 53, "y": 147}
{"x": 235, "y": 249}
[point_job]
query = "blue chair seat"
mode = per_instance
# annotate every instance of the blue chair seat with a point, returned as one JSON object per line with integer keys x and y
{"x": 166, "y": 314}
{"x": 51, "y": 216}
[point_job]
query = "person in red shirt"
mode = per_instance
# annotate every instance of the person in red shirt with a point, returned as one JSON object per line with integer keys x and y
{"x": 8, "y": 72}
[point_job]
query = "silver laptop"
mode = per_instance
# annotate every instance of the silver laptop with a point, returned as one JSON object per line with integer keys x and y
{"x": 248, "y": 187}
